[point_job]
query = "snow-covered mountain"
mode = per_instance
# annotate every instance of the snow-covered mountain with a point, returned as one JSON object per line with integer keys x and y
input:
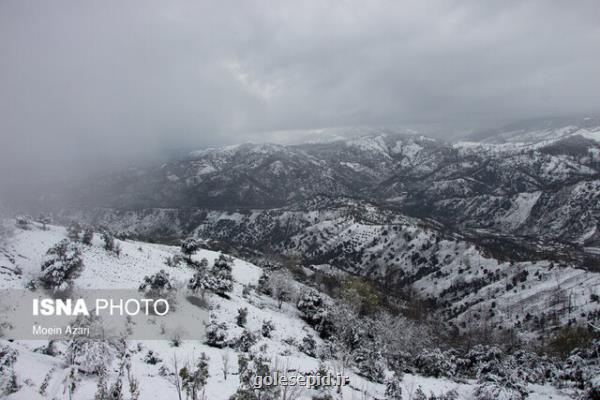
{"x": 544, "y": 194}
{"x": 543, "y": 130}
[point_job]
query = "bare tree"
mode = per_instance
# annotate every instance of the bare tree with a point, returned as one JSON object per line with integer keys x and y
{"x": 134, "y": 384}
{"x": 71, "y": 381}
{"x": 409, "y": 388}
{"x": 287, "y": 392}
{"x": 341, "y": 361}
{"x": 281, "y": 286}
{"x": 225, "y": 368}
{"x": 174, "y": 379}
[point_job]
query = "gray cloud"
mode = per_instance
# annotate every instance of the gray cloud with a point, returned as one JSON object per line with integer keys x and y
{"x": 97, "y": 82}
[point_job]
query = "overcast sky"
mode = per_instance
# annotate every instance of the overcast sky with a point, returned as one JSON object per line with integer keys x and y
{"x": 103, "y": 81}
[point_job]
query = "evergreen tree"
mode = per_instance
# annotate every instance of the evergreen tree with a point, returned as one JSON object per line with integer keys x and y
{"x": 60, "y": 265}
{"x": 246, "y": 341}
{"x": 216, "y": 333}
{"x": 219, "y": 279}
{"x": 370, "y": 362}
{"x": 201, "y": 282}
{"x": 263, "y": 285}
{"x": 314, "y": 311}
{"x": 193, "y": 379}
{"x": 267, "y": 328}
{"x": 88, "y": 235}
{"x": 222, "y": 275}
{"x": 189, "y": 247}
{"x": 109, "y": 241}
{"x": 434, "y": 363}
{"x": 250, "y": 367}
{"x": 156, "y": 285}
{"x": 309, "y": 345}
{"x": 393, "y": 388}
{"x": 242, "y": 317}
{"x": 102, "y": 386}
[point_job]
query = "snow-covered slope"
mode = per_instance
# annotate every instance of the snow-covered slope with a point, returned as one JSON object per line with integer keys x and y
{"x": 463, "y": 277}
{"x": 20, "y": 261}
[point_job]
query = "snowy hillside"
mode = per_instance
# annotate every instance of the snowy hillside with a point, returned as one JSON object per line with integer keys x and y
{"x": 463, "y": 279}
{"x": 43, "y": 376}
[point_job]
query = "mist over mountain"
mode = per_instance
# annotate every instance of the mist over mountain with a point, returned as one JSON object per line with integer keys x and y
{"x": 542, "y": 177}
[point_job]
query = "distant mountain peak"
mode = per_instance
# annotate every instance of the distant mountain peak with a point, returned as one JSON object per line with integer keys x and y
{"x": 542, "y": 130}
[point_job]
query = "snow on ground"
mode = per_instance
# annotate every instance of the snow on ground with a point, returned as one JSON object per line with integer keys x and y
{"x": 103, "y": 270}
{"x": 372, "y": 144}
{"x": 521, "y": 208}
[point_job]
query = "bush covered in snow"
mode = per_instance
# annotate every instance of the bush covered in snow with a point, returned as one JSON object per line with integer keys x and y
{"x": 174, "y": 261}
{"x": 500, "y": 378}
{"x": 202, "y": 281}
{"x": 393, "y": 388}
{"x": 23, "y": 221}
{"x": 593, "y": 389}
{"x": 370, "y": 363}
{"x": 152, "y": 358}
{"x": 434, "y": 363}
{"x": 316, "y": 312}
{"x": 90, "y": 356}
{"x": 157, "y": 284}
{"x": 216, "y": 333}
{"x": 266, "y": 328}
{"x": 491, "y": 390}
{"x": 246, "y": 340}
{"x": 263, "y": 285}
{"x": 218, "y": 279}
{"x": 109, "y": 241}
{"x": 249, "y": 367}
{"x": 309, "y": 345}
{"x": 94, "y": 353}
